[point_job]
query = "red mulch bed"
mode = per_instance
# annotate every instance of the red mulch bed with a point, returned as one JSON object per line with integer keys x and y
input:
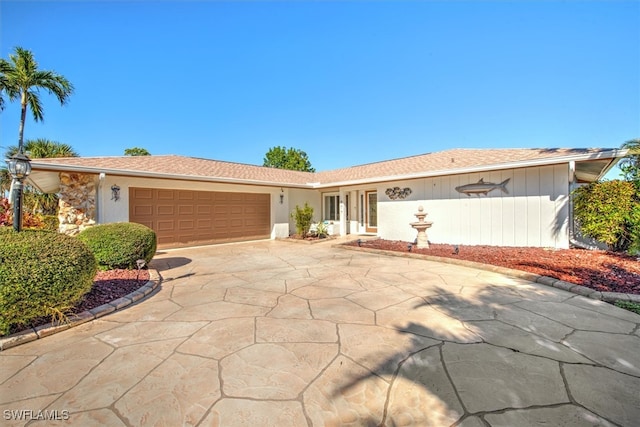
{"x": 111, "y": 285}
{"x": 600, "y": 270}
{"x": 107, "y": 286}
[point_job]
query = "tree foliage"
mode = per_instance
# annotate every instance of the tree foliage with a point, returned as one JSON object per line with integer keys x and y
{"x": 630, "y": 164}
{"x": 41, "y": 148}
{"x": 20, "y": 79}
{"x": 136, "y": 151}
{"x": 609, "y": 211}
{"x": 288, "y": 158}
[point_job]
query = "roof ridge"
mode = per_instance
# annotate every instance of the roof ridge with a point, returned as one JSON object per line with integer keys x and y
{"x": 241, "y": 164}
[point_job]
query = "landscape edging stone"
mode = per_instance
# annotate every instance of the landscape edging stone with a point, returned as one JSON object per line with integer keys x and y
{"x": 610, "y": 297}
{"x": 42, "y": 331}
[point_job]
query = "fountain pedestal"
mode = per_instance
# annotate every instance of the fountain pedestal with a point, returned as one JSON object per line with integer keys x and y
{"x": 421, "y": 226}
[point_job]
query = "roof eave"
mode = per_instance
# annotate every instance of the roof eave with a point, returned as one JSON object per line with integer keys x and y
{"x": 609, "y": 154}
{"x": 606, "y": 154}
{"x": 159, "y": 175}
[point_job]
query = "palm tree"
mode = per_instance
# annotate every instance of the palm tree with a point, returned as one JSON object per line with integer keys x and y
{"x": 41, "y": 148}
{"x": 4, "y": 84}
{"x": 21, "y": 79}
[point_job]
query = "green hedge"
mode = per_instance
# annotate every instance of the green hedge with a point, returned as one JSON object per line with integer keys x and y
{"x": 42, "y": 273}
{"x": 51, "y": 222}
{"x": 120, "y": 244}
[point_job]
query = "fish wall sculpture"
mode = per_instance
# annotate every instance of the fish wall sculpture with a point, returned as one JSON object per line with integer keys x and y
{"x": 397, "y": 193}
{"x": 482, "y": 187}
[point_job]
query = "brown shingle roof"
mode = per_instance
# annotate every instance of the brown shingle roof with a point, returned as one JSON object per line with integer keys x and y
{"x": 439, "y": 163}
{"x": 452, "y": 161}
{"x": 181, "y": 166}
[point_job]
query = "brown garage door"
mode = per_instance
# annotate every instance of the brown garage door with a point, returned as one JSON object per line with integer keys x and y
{"x": 182, "y": 217}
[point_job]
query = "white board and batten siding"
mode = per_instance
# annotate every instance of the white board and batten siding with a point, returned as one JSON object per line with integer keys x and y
{"x": 533, "y": 213}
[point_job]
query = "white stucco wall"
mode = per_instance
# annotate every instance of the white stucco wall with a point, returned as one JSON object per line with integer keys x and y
{"x": 534, "y": 213}
{"x": 110, "y": 210}
{"x": 297, "y": 196}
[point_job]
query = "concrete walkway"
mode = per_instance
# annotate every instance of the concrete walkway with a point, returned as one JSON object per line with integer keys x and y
{"x": 283, "y": 334}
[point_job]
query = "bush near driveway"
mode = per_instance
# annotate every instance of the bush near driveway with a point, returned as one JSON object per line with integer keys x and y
{"x": 609, "y": 211}
{"x": 304, "y": 218}
{"x": 42, "y": 273}
{"x": 120, "y": 244}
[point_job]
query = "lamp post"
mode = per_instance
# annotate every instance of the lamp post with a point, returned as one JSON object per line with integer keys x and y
{"x": 19, "y": 167}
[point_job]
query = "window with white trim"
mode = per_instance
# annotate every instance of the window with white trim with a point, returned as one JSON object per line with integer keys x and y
{"x": 331, "y": 207}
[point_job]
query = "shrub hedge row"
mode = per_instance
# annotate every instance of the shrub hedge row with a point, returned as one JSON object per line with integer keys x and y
{"x": 42, "y": 273}
{"x": 45, "y": 273}
{"x": 120, "y": 245}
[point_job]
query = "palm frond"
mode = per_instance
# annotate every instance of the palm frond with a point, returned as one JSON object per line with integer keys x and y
{"x": 33, "y": 101}
{"x": 55, "y": 84}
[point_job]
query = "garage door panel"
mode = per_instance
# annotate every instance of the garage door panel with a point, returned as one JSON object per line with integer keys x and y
{"x": 182, "y": 217}
{"x": 185, "y": 209}
{"x": 165, "y": 225}
{"x": 142, "y": 193}
{"x": 164, "y": 195}
{"x": 203, "y": 210}
{"x": 143, "y": 210}
{"x": 186, "y": 224}
{"x": 166, "y": 210}
{"x": 204, "y": 224}
{"x": 205, "y": 196}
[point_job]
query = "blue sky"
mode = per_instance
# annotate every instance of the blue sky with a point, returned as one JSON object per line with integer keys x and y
{"x": 348, "y": 82}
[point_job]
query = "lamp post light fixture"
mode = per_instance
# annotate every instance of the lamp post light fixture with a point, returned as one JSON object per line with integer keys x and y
{"x": 19, "y": 167}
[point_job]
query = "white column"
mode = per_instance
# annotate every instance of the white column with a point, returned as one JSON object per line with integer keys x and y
{"x": 343, "y": 213}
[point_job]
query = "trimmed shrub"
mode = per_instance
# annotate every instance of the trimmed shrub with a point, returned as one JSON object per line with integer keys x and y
{"x": 42, "y": 273}
{"x": 120, "y": 244}
{"x": 609, "y": 211}
{"x": 303, "y": 217}
{"x": 51, "y": 222}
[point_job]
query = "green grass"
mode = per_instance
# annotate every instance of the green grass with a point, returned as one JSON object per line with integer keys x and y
{"x": 628, "y": 305}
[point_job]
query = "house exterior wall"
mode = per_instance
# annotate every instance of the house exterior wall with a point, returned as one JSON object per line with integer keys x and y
{"x": 111, "y": 210}
{"x": 298, "y": 197}
{"x": 534, "y": 213}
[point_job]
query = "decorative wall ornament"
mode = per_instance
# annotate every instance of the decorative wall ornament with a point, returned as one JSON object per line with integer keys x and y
{"x": 115, "y": 193}
{"x": 397, "y": 193}
{"x": 482, "y": 187}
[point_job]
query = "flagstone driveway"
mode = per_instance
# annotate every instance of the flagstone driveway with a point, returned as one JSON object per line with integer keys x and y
{"x": 281, "y": 334}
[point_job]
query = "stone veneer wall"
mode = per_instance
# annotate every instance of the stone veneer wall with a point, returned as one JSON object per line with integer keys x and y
{"x": 77, "y": 205}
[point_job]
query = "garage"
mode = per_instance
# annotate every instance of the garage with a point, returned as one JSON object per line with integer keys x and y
{"x": 184, "y": 217}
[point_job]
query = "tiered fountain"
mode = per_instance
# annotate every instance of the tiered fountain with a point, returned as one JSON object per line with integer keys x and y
{"x": 421, "y": 226}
